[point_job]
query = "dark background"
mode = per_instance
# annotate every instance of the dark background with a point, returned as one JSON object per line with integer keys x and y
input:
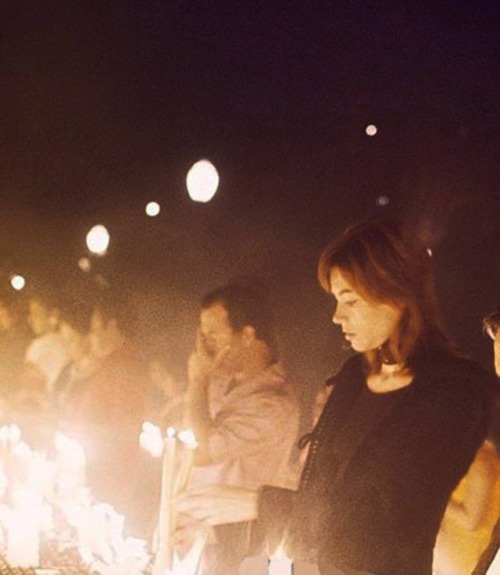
{"x": 106, "y": 104}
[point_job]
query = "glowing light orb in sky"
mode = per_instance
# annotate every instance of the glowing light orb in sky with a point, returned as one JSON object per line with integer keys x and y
{"x": 17, "y": 282}
{"x": 371, "y": 130}
{"x": 152, "y": 209}
{"x": 202, "y": 181}
{"x": 98, "y": 240}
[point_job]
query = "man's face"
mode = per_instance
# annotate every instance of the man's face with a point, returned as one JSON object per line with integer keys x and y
{"x": 217, "y": 335}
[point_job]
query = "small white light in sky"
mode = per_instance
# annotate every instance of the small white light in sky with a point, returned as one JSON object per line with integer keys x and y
{"x": 429, "y": 252}
{"x": 202, "y": 181}
{"x": 371, "y": 130}
{"x": 153, "y": 209}
{"x": 84, "y": 264}
{"x": 382, "y": 201}
{"x": 17, "y": 282}
{"x": 98, "y": 240}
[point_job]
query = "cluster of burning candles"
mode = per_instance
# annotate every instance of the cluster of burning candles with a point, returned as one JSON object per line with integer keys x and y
{"x": 43, "y": 499}
{"x": 37, "y": 489}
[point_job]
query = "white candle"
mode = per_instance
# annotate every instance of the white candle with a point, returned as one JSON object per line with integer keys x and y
{"x": 190, "y": 444}
{"x": 279, "y": 566}
{"x": 163, "y": 560}
{"x": 150, "y": 439}
{"x": 279, "y": 563}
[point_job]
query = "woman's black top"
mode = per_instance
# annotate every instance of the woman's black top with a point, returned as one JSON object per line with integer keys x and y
{"x": 381, "y": 468}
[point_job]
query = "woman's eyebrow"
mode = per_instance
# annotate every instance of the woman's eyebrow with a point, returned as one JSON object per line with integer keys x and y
{"x": 344, "y": 291}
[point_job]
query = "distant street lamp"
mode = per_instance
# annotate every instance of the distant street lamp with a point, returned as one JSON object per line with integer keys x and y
{"x": 17, "y": 282}
{"x": 98, "y": 240}
{"x": 202, "y": 181}
{"x": 152, "y": 209}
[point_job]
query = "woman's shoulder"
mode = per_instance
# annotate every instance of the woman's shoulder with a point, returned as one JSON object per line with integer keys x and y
{"x": 449, "y": 368}
{"x": 459, "y": 382}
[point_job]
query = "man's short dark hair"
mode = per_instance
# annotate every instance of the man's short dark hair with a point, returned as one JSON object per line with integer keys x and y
{"x": 245, "y": 306}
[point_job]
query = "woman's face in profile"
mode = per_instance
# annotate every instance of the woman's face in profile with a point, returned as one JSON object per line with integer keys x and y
{"x": 366, "y": 325}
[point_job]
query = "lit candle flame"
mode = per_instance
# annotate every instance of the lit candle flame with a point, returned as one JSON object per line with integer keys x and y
{"x": 150, "y": 439}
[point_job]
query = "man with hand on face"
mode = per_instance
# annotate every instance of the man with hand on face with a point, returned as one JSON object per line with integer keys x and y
{"x": 240, "y": 405}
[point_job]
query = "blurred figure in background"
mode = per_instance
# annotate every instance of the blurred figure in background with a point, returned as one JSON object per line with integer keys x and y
{"x": 168, "y": 398}
{"x": 46, "y": 355}
{"x": 45, "y": 358}
{"x": 15, "y": 337}
{"x": 74, "y": 329}
{"x": 107, "y": 415}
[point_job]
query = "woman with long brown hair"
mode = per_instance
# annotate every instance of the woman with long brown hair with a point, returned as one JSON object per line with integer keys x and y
{"x": 399, "y": 430}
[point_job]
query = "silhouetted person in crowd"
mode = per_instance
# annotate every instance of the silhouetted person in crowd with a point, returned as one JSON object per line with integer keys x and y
{"x": 107, "y": 416}
{"x": 45, "y": 358}
{"x": 15, "y": 337}
{"x": 46, "y": 355}
{"x": 74, "y": 328}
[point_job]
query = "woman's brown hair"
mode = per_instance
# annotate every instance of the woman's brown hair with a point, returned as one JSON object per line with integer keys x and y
{"x": 383, "y": 267}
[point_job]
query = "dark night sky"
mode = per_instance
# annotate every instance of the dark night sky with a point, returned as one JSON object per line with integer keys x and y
{"x": 106, "y": 104}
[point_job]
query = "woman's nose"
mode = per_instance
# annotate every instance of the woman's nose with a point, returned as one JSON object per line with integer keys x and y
{"x": 336, "y": 318}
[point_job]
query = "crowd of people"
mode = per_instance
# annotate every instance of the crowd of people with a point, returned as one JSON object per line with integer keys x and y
{"x": 401, "y": 427}
{"x": 70, "y": 364}
{"x": 399, "y": 475}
